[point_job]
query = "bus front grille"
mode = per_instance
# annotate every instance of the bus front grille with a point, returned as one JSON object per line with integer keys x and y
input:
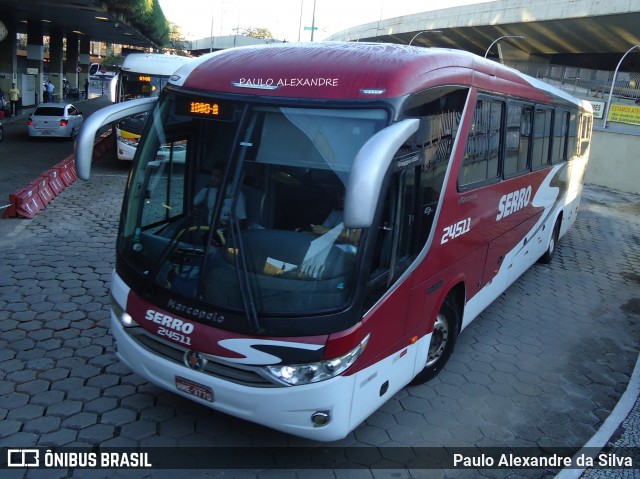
{"x": 239, "y": 375}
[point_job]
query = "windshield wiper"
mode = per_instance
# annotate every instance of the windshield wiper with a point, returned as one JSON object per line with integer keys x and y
{"x": 242, "y": 272}
{"x": 180, "y": 226}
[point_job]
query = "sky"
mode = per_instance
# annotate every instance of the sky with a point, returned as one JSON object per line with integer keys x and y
{"x": 286, "y": 19}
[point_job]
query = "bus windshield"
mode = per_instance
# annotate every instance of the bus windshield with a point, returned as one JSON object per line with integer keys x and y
{"x": 240, "y": 205}
{"x": 140, "y": 85}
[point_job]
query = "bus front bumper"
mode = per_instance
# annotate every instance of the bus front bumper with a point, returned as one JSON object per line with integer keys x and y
{"x": 290, "y": 409}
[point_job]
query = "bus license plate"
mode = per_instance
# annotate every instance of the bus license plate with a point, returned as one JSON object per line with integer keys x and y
{"x": 194, "y": 389}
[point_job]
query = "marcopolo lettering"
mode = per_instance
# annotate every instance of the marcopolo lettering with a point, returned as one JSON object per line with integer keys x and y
{"x": 200, "y": 314}
{"x": 514, "y": 201}
{"x": 169, "y": 321}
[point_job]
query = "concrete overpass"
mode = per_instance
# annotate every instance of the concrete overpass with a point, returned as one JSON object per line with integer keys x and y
{"x": 209, "y": 44}
{"x": 588, "y": 33}
{"x": 585, "y": 34}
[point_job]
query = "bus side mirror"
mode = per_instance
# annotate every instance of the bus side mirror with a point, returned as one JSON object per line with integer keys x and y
{"x": 102, "y": 117}
{"x": 369, "y": 168}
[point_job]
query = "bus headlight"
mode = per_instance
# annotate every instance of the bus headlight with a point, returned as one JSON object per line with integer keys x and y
{"x": 298, "y": 374}
{"x": 128, "y": 141}
{"x": 125, "y": 318}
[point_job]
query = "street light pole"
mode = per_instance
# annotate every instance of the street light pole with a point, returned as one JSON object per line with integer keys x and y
{"x": 300, "y": 24}
{"x": 211, "y": 33}
{"x": 313, "y": 19}
{"x": 424, "y": 31}
{"x": 615, "y": 74}
{"x": 500, "y": 38}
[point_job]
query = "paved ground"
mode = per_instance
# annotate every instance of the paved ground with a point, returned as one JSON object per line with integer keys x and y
{"x": 22, "y": 159}
{"x": 542, "y": 367}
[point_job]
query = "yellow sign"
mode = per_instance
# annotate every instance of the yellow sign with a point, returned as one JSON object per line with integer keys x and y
{"x": 625, "y": 114}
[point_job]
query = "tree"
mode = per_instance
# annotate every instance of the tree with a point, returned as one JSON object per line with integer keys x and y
{"x": 145, "y": 16}
{"x": 177, "y": 43}
{"x": 256, "y": 32}
{"x": 112, "y": 62}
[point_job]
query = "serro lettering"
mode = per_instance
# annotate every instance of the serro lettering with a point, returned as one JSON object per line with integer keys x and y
{"x": 169, "y": 321}
{"x": 513, "y": 202}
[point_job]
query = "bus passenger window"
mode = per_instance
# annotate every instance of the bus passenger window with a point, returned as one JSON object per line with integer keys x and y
{"x": 482, "y": 153}
{"x": 560, "y": 131}
{"x": 518, "y": 138}
{"x": 542, "y": 133}
{"x": 572, "y": 147}
{"x": 585, "y": 133}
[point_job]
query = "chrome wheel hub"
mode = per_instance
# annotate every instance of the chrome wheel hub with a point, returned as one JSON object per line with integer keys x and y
{"x": 439, "y": 339}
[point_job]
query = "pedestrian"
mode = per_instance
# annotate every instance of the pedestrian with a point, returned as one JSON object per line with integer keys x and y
{"x": 50, "y": 89}
{"x": 4, "y": 104}
{"x": 86, "y": 88}
{"x": 14, "y": 98}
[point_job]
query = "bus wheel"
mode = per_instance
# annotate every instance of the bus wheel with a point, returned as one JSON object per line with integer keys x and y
{"x": 443, "y": 338}
{"x": 553, "y": 242}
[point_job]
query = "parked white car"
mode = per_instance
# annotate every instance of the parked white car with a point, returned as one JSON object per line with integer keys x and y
{"x": 55, "y": 120}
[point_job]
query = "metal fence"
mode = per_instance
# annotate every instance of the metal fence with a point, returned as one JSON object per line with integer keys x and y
{"x": 595, "y": 83}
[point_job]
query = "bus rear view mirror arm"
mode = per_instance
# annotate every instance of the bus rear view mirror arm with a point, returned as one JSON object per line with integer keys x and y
{"x": 102, "y": 117}
{"x": 369, "y": 168}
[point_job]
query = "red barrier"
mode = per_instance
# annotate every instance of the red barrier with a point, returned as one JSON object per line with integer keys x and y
{"x": 56, "y": 183}
{"x": 44, "y": 190}
{"x": 67, "y": 172}
{"x": 26, "y": 202}
{"x": 31, "y": 199}
{"x": 71, "y": 161}
{"x": 103, "y": 145}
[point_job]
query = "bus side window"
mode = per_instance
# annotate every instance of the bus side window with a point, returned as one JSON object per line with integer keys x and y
{"x": 572, "y": 147}
{"x": 406, "y": 219}
{"x": 411, "y": 199}
{"x": 381, "y": 256}
{"x": 518, "y": 139}
{"x": 439, "y": 123}
{"x": 560, "y": 132}
{"x": 482, "y": 153}
{"x": 585, "y": 133}
{"x": 541, "y": 137}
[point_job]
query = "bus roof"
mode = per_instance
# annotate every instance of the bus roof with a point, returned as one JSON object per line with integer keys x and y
{"x": 154, "y": 63}
{"x": 341, "y": 70}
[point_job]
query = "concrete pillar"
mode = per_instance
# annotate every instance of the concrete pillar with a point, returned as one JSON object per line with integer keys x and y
{"x": 55, "y": 61}
{"x": 511, "y": 54}
{"x": 71, "y": 63}
{"x": 85, "y": 62}
{"x": 8, "y": 57}
{"x": 35, "y": 57}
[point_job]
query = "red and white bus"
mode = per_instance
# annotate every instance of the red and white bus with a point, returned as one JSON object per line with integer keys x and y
{"x": 336, "y": 215}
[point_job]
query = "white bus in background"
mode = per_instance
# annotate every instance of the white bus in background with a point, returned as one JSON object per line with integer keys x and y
{"x": 141, "y": 75}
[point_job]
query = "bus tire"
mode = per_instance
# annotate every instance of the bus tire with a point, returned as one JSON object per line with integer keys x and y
{"x": 443, "y": 339}
{"x": 553, "y": 243}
